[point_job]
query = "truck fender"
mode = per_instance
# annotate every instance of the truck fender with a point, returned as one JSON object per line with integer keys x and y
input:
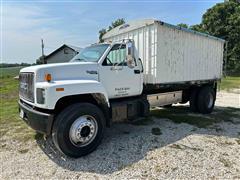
{"x": 70, "y": 88}
{"x": 95, "y": 93}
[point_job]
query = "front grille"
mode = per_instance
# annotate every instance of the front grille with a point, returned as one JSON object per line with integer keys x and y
{"x": 26, "y": 86}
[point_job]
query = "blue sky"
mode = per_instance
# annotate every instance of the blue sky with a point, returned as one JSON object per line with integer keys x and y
{"x": 77, "y": 23}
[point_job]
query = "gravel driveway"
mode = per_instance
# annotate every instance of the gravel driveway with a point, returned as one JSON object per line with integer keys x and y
{"x": 178, "y": 150}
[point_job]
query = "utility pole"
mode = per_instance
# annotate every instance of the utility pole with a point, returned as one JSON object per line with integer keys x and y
{"x": 43, "y": 51}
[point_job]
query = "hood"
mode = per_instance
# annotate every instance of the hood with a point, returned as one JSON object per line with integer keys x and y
{"x": 64, "y": 71}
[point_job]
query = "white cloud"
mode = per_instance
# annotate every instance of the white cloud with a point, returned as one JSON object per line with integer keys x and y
{"x": 23, "y": 28}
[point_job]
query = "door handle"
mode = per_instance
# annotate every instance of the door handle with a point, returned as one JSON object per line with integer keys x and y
{"x": 136, "y": 71}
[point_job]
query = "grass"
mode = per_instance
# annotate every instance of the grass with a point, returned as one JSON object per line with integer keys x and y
{"x": 230, "y": 82}
{"x": 23, "y": 151}
{"x": 225, "y": 162}
{"x": 183, "y": 115}
{"x": 10, "y": 123}
{"x": 183, "y": 147}
{"x": 9, "y": 72}
{"x": 238, "y": 141}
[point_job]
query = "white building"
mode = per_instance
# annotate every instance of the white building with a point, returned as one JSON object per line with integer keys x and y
{"x": 63, "y": 54}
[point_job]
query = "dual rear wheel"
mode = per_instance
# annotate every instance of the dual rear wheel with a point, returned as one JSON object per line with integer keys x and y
{"x": 202, "y": 100}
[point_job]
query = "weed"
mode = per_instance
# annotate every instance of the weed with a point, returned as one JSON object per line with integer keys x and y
{"x": 23, "y": 151}
{"x": 38, "y": 136}
{"x": 238, "y": 141}
{"x": 176, "y": 146}
{"x": 227, "y": 143}
{"x": 158, "y": 168}
{"x": 225, "y": 162}
{"x": 182, "y": 146}
{"x": 3, "y": 145}
{"x": 125, "y": 166}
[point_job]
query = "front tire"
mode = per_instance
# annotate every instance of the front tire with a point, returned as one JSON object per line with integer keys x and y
{"x": 78, "y": 129}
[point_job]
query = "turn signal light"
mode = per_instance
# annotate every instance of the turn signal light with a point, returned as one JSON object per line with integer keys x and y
{"x": 48, "y": 77}
{"x": 59, "y": 89}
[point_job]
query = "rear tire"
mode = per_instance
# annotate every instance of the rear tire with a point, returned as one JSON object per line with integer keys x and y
{"x": 193, "y": 100}
{"x": 78, "y": 129}
{"x": 206, "y": 100}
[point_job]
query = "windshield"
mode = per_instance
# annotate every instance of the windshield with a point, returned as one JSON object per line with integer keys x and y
{"x": 91, "y": 53}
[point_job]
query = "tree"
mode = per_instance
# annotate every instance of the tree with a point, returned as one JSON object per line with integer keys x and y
{"x": 114, "y": 24}
{"x": 197, "y": 27}
{"x": 40, "y": 60}
{"x": 183, "y": 25}
{"x": 101, "y": 33}
{"x": 223, "y": 21}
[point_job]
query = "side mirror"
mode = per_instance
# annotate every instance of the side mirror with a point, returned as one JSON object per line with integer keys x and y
{"x": 130, "y": 54}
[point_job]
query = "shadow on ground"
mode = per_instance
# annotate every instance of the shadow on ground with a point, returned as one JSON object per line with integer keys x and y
{"x": 126, "y": 144}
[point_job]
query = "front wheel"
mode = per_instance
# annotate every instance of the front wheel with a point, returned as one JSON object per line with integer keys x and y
{"x": 78, "y": 129}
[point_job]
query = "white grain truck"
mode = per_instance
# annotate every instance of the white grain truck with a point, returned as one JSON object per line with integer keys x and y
{"x": 140, "y": 65}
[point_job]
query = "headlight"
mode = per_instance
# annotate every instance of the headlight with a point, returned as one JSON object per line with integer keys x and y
{"x": 40, "y": 96}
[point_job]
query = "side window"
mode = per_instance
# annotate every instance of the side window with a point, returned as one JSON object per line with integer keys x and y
{"x": 117, "y": 55}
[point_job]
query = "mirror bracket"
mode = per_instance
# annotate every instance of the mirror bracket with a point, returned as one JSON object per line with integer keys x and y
{"x": 130, "y": 54}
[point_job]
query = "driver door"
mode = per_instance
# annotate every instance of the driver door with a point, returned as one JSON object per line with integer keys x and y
{"x": 118, "y": 79}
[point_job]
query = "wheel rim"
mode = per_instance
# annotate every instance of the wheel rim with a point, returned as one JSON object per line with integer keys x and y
{"x": 83, "y": 130}
{"x": 210, "y": 100}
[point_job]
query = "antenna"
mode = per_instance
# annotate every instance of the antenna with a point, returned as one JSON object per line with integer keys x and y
{"x": 42, "y": 46}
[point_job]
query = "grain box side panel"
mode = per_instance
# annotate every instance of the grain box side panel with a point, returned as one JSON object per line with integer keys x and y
{"x": 184, "y": 56}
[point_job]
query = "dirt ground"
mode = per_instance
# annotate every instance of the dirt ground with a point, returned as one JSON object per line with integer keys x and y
{"x": 160, "y": 149}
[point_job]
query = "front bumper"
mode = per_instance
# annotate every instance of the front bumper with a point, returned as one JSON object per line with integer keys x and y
{"x": 39, "y": 121}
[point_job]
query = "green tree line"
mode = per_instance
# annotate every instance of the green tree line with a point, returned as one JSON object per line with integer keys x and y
{"x": 223, "y": 21}
{"x": 5, "y": 65}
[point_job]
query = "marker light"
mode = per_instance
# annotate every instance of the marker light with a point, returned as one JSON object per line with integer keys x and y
{"x": 59, "y": 89}
{"x": 48, "y": 77}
